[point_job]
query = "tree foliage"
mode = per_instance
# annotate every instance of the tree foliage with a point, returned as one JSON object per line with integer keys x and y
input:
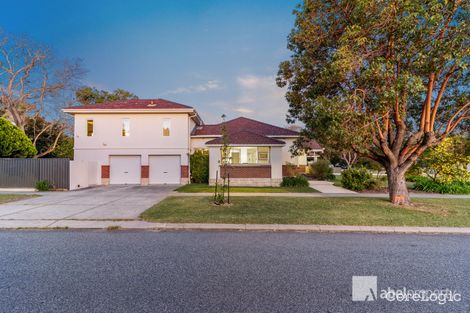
{"x": 13, "y": 142}
{"x": 64, "y": 148}
{"x": 387, "y": 78}
{"x": 46, "y": 136}
{"x": 91, "y": 95}
{"x": 322, "y": 170}
{"x": 446, "y": 163}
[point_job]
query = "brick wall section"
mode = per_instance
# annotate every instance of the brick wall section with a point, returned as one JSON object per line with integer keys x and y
{"x": 104, "y": 171}
{"x": 259, "y": 171}
{"x": 144, "y": 171}
{"x": 292, "y": 170}
{"x": 184, "y": 171}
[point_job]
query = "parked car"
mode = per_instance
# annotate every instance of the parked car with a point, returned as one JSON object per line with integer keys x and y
{"x": 341, "y": 164}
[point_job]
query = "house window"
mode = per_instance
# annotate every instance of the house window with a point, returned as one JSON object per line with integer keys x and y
{"x": 166, "y": 127}
{"x": 235, "y": 156}
{"x": 89, "y": 128}
{"x": 249, "y": 155}
{"x": 126, "y": 127}
{"x": 263, "y": 155}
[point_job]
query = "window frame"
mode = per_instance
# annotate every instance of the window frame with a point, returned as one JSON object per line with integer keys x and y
{"x": 89, "y": 122}
{"x": 166, "y": 131}
{"x": 238, "y": 151}
{"x": 242, "y": 151}
{"x": 125, "y": 132}
{"x": 264, "y": 160}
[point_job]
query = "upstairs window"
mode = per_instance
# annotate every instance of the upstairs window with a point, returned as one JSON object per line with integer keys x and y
{"x": 89, "y": 128}
{"x": 126, "y": 127}
{"x": 166, "y": 126}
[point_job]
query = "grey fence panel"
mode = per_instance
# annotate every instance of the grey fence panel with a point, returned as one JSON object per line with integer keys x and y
{"x": 26, "y": 172}
{"x": 56, "y": 171}
{"x": 18, "y": 172}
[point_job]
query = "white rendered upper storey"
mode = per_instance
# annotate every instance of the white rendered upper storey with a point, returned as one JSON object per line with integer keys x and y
{"x": 134, "y": 128}
{"x": 150, "y": 125}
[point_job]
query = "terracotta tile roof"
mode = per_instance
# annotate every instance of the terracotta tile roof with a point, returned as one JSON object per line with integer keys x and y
{"x": 313, "y": 145}
{"x": 243, "y": 123}
{"x": 245, "y": 137}
{"x": 133, "y": 104}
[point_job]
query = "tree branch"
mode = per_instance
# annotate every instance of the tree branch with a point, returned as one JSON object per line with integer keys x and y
{"x": 52, "y": 148}
{"x": 426, "y": 113}
{"x": 439, "y": 96}
{"x": 40, "y": 133}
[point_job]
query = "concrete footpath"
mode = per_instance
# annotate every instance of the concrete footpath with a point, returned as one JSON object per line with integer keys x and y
{"x": 142, "y": 225}
{"x": 328, "y": 187}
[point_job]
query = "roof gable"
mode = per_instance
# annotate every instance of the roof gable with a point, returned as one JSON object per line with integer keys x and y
{"x": 243, "y": 123}
{"x": 313, "y": 145}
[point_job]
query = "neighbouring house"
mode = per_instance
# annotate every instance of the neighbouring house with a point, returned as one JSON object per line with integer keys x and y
{"x": 149, "y": 142}
{"x": 314, "y": 151}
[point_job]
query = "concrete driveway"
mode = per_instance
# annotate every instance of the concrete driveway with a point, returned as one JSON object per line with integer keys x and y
{"x": 100, "y": 203}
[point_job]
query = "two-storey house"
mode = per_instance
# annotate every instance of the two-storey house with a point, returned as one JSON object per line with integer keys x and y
{"x": 149, "y": 142}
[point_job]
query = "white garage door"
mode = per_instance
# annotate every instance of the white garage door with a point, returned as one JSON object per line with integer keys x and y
{"x": 124, "y": 169}
{"x": 164, "y": 169}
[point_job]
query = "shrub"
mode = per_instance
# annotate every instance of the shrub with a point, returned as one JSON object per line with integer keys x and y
{"x": 412, "y": 178}
{"x": 43, "y": 185}
{"x": 428, "y": 185}
{"x": 13, "y": 142}
{"x": 297, "y": 181}
{"x": 447, "y": 162}
{"x": 199, "y": 162}
{"x": 357, "y": 179}
{"x": 219, "y": 199}
{"x": 322, "y": 170}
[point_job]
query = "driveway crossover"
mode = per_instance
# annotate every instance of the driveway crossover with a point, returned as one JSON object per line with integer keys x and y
{"x": 100, "y": 203}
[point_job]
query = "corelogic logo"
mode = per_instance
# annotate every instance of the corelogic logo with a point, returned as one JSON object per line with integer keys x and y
{"x": 364, "y": 288}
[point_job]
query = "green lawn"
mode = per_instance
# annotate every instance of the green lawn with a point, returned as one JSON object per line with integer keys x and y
{"x": 206, "y": 188}
{"x": 333, "y": 211}
{"x": 9, "y": 198}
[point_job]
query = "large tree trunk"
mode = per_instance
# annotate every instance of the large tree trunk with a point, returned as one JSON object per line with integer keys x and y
{"x": 397, "y": 189}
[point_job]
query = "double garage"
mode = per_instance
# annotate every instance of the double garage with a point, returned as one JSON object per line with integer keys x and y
{"x": 127, "y": 169}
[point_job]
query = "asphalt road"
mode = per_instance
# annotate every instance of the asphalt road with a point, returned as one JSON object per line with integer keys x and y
{"x": 224, "y": 272}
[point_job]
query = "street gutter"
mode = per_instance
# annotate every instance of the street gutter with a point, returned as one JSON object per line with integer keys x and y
{"x": 142, "y": 225}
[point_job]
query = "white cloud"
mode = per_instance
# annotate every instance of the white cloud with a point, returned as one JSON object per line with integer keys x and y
{"x": 252, "y": 81}
{"x": 243, "y": 110}
{"x": 260, "y": 97}
{"x": 209, "y": 85}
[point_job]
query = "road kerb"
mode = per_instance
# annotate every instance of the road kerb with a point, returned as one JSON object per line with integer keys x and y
{"x": 143, "y": 225}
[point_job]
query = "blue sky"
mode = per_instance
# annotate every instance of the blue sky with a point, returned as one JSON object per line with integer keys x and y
{"x": 218, "y": 56}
